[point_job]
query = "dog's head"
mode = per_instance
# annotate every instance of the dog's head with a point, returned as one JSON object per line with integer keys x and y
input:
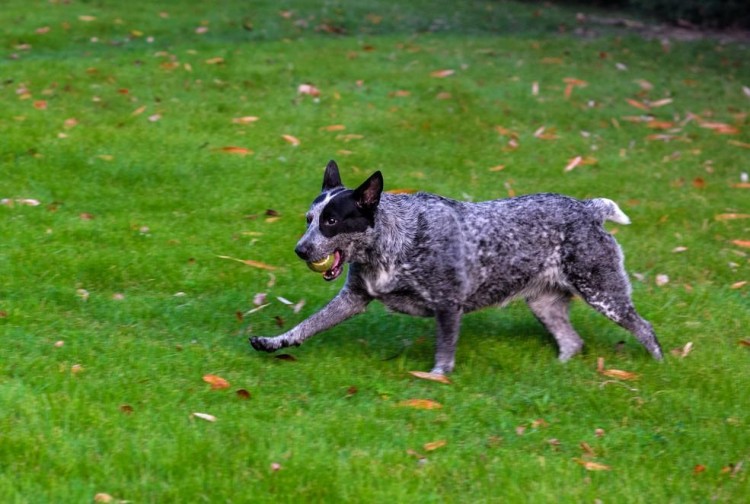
{"x": 338, "y": 220}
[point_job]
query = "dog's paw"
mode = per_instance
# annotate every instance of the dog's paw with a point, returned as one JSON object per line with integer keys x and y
{"x": 264, "y": 344}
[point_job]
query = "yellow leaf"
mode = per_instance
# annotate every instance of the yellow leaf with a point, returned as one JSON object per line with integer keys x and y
{"x": 739, "y": 285}
{"x": 434, "y": 445}
{"x": 86, "y": 19}
{"x": 427, "y": 404}
{"x": 614, "y": 373}
{"x": 334, "y": 127}
{"x": 216, "y": 382}
{"x": 139, "y": 111}
{"x": 430, "y": 376}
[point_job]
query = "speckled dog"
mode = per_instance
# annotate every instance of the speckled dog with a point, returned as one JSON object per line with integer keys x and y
{"x": 430, "y": 256}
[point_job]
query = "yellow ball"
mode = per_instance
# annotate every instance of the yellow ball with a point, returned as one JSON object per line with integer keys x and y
{"x": 322, "y": 265}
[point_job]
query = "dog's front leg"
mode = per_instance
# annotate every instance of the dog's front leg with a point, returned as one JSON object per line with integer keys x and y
{"x": 448, "y": 324}
{"x": 343, "y": 306}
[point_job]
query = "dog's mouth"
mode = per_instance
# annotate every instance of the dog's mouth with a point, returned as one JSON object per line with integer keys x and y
{"x": 336, "y": 268}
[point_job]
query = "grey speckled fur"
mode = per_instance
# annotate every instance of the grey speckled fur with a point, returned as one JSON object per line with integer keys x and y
{"x": 426, "y": 255}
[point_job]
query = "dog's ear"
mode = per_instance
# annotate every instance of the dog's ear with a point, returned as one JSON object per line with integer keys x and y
{"x": 331, "y": 177}
{"x": 367, "y": 196}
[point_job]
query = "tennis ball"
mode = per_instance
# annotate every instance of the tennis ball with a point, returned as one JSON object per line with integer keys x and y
{"x": 322, "y": 265}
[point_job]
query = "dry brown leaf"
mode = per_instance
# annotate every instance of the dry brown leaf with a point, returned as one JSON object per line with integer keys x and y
{"x": 216, "y": 382}
{"x": 441, "y": 74}
{"x": 426, "y": 404}
{"x": 742, "y": 243}
{"x": 660, "y": 103}
{"x": 245, "y": 120}
{"x": 139, "y": 111}
{"x": 430, "y": 376}
{"x": 243, "y": 394}
{"x": 434, "y": 445}
{"x": 103, "y": 497}
{"x": 592, "y": 466}
{"x": 731, "y": 216}
{"x": 334, "y": 127}
{"x": 215, "y": 61}
{"x": 250, "y": 262}
{"x": 741, "y": 185}
{"x": 637, "y": 104}
{"x": 291, "y": 139}
{"x": 720, "y": 128}
{"x": 654, "y": 124}
{"x": 614, "y": 373}
{"x": 587, "y": 450}
{"x": 744, "y": 342}
{"x": 573, "y": 163}
{"x": 231, "y": 149}
{"x": 308, "y": 89}
{"x": 738, "y": 285}
{"x": 497, "y": 168}
{"x": 744, "y": 145}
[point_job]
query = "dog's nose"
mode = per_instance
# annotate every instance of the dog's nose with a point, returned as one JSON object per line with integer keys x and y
{"x": 303, "y": 251}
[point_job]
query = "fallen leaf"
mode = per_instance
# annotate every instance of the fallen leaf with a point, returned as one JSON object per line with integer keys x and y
{"x": 103, "y": 497}
{"x": 308, "y": 89}
{"x": 40, "y": 105}
{"x": 738, "y": 285}
{"x": 275, "y": 466}
{"x": 292, "y": 140}
{"x": 441, "y": 74}
{"x": 430, "y": 376}
{"x": 741, "y": 185}
{"x": 497, "y": 168}
{"x": 245, "y": 120}
{"x": 154, "y": 117}
{"x": 683, "y": 351}
{"x": 614, "y": 373}
{"x": 699, "y": 468}
{"x": 204, "y": 416}
{"x": 662, "y": 280}
{"x": 434, "y": 445}
{"x": 731, "y": 216}
{"x": 139, "y": 111}
{"x": 126, "y": 409}
{"x": 86, "y": 19}
{"x": 592, "y": 466}
{"x": 76, "y": 368}
{"x": 215, "y": 61}
{"x": 654, "y": 124}
{"x": 677, "y": 250}
{"x": 744, "y": 342}
{"x": 401, "y": 93}
{"x": 334, "y": 127}
{"x": 426, "y": 404}
{"x": 637, "y": 104}
{"x": 216, "y": 382}
{"x": 587, "y": 450}
{"x": 242, "y": 151}
{"x": 660, "y": 103}
{"x": 720, "y": 128}
{"x": 744, "y": 145}
{"x": 243, "y": 394}
{"x": 573, "y": 163}
{"x": 250, "y": 262}
{"x": 742, "y": 243}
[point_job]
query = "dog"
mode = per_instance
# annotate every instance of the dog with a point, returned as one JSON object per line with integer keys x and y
{"x": 426, "y": 255}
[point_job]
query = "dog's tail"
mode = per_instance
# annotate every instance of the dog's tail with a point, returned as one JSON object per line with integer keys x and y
{"x": 606, "y": 209}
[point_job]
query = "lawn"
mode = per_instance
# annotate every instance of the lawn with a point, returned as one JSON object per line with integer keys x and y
{"x": 156, "y": 163}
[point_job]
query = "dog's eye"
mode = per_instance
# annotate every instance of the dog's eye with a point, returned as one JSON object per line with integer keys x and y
{"x": 331, "y": 221}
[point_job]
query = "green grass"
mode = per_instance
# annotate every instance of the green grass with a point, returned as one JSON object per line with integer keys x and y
{"x": 136, "y": 208}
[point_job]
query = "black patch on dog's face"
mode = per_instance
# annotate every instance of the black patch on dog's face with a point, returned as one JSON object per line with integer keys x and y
{"x": 343, "y": 214}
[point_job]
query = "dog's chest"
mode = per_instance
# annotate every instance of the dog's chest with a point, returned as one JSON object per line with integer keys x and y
{"x": 380, "y": 282}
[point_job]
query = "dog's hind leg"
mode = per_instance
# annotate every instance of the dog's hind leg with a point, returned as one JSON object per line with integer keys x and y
{"x": 606, "y": 288}
{"x": 552, "y": 310}
{"x": 448, "y": 324}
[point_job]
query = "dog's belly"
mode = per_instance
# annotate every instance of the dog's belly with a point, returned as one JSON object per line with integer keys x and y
{"x": 406, "y": 301}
